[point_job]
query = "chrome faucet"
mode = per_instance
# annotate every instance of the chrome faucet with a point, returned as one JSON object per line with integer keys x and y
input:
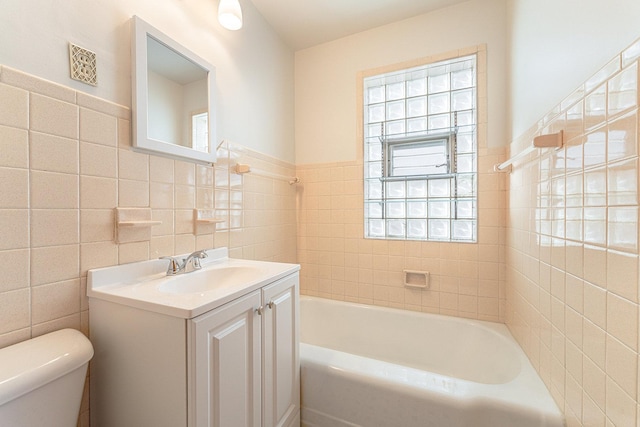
{"x": 184, "y": 265}
{"x": 193, "y": 260}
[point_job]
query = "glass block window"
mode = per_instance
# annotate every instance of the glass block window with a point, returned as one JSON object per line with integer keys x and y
{"x": 420, "y": 153}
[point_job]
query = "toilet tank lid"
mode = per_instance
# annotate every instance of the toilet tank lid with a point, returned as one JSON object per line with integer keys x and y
{"x": 33, "y": 363}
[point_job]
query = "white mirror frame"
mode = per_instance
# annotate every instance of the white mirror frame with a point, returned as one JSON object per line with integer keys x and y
{"x": 141, "y": 141}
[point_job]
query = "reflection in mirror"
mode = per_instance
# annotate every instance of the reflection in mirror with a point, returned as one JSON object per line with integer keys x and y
{"x": 177, "y": 92}
{"x": 173, "y": 98}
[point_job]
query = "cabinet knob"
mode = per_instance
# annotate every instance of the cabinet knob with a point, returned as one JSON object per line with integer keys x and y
{"x": 260, "y": 310}
{"x": 270, "y": 304}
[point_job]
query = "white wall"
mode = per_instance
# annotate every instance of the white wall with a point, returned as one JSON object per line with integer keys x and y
{"x": 254, "y": 67}
{"x": 325, "y": 75}
{"x": 556, "y": 45}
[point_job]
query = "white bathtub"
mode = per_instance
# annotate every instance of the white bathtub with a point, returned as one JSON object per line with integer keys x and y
{"x": 371, "y": 366}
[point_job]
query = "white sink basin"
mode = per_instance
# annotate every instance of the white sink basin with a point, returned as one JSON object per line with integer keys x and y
{"x": 211, "y": 279}
{"x": 145, "y": 284}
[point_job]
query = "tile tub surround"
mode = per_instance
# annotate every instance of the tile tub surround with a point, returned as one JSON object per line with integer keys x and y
{"x": 467, "y": 280}
{"x": 572, "y": 249}
{"x": 66, "y": 163}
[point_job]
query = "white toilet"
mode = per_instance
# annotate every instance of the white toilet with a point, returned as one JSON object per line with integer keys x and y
{"x": 42, "y": 379}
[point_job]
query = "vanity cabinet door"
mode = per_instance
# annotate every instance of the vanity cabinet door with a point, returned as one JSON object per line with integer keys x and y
{"x": 227, "y": 369}
{"x": 281, "y": 368}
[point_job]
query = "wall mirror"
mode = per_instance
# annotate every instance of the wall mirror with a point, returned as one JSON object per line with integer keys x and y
{"x": 173, "y": 97}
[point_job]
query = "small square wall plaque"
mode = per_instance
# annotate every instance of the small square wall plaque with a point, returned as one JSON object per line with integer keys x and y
{"x": 82, "y": 63}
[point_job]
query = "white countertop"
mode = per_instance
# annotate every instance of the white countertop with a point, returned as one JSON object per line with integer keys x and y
{"x": 141, "y": 284}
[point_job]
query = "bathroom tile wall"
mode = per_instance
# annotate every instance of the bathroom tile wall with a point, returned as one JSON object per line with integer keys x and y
{"x": 467, "y": 280}
{"x": 572, "y": 249}
{"x": 66, "y": 163}
{"x": 337, "y": 262}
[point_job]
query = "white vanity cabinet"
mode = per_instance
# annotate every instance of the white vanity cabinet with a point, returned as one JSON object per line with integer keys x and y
{"x": 245, "y": 360}
{"x": 234, "y": 365}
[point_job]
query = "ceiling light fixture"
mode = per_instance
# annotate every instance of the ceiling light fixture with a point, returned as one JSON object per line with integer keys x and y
{"x": 230, "y": 14}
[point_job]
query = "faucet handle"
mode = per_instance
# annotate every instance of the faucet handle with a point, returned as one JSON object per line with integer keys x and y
{"x": 197, "y": 256}
{"x": 174, "y": 265}
{"x": 196, "y": 263}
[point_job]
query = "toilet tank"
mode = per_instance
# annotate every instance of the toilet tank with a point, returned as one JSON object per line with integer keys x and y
{"x": 42, "y": 380}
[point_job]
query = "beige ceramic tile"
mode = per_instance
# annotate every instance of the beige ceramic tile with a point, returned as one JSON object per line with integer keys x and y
{"x": 221, "y": 178}
{"x": 13, "y": 191}
{"x": 594, "y": 148}
{"x": 15, "y": 337}
{"x": 622, "y": 320}
{"x": 53, "y": 153}
{"x": 594, "y": 382}
{"x": 54, "y": 117}
{"x": 622, "y": 137}
{"x": 103, "y": 106}
{"x": 98, "y": 193}
{"x": 53, "y": 190}
{"x": 621, "y": 408}
{"x": 185, "y": 243}
{"x": 592, "y": 415}
{"x": 622, "y": 228}
{"x": 161, "y": 195}
{"x": 185, "y": 173}
{"x": 72, "y": 321}
{"x": 573, "y": 331}
{"x": 204, "y": 241}
{"x": 161, "y": 169}
{"x": 167, "y": 218}
{"x": 124, "y": 133}
{"x": 593, "y": 343}
{"x": 161, "y": 246}
{"x": 183, "y": 221}
{"x": 15, "y": 313}
{"x": 573, "y": 398}
{"x": 622, "y": 183}
{"x": 622, "y": 366}
{"x": 96, "y": 255}
{"x": 133, "y": 193}
{"x": 98, "y": 160}
{"x": 205, "y": 199}
{"x": 14, "y": 146}
{"x": 204, "y": 176}
{"x": 133, "y": 252}
{"x": 574, "y": 292}
{"x": 96, "y": 225}
{"x": 595, "y": 187}
{"x": 623, "y": 91}
{"x": 98, "y": 128}
{"x": 132, "y": 165}
{"x": 54, "y": 227}
{"x": 15, "y": 273}
{"x": 84, "y": 299}
{"x": 56, "y": 300}
{"x": 575, "y": 257}
{"x": 185, "y": 197}
{"x": 14, "y": 109}
{"x": 595, "y": 261}
{"x": 35, "y": 84}
{"x": 54, "y": 264}
{"x": 622, "y": 274}
{"x": 595, "y": 304}
{"x": 14, "y": 228}
{"x": 595, "y": 107}
{"x": 574, "y": 190}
